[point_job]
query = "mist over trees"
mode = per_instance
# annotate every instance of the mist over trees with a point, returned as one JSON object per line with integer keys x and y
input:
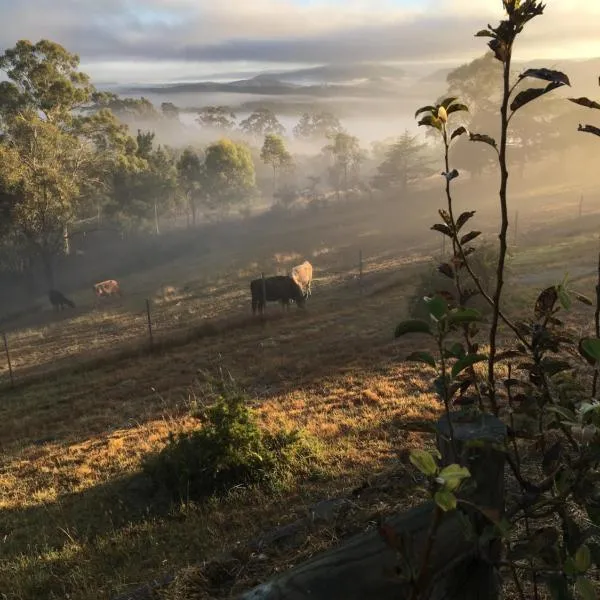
{"x": 75, "y": 160}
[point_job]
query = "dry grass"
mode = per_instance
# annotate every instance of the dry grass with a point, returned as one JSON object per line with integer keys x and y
{"x": 91, "y": 402}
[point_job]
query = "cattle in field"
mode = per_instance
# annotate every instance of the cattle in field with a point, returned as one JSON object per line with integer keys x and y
{"x": 282, "y": 288}
{"x": 302, "y": 274}
{"x": 110, "y": 287}
{"x": 59, "y": 300}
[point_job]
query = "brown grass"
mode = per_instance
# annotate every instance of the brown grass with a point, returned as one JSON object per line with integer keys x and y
{"x": 92, "y": 401}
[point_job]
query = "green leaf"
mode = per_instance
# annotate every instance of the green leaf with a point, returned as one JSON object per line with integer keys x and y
{"x": 446, "y": 102}
{"x": 423, "y": 461}
{"x": 565, "y": 413}
{"x": 469, "y": 360}
{"x": 563, "y": 297}
{"x": 465, "y": 239}
{"x": 453, "y": 475}
{"x": 412, "y": 326}
{"x": 422, "y": 357}
{"x": 464, "y": 315}
{"x": 436, "y": 306}
{"x": 457, "y": 350}
{"x": 586, "y": 589}
{"x": 485, "y": 33}
{"x": 445, "y": 499}
{"x": 583, "y": 559}
{"x": 527, "y": 96}
{"x": 446, "y": 269}
{"x": 581, "y": 298}
{"x": 585, "y": 102}
{"x": 430, "y": 121}
{"x": 590, "y": 349}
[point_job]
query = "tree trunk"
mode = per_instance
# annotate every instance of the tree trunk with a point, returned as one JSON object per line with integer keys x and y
{"x": 66, "y": 241}
{"x": 156, "y": 218}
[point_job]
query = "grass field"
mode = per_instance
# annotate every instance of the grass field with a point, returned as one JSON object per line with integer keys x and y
{"x": 91, "y": 401}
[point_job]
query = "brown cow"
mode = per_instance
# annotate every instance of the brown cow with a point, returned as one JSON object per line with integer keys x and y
{"x": 110, "y": 287}
{"x": 302, "y": 275}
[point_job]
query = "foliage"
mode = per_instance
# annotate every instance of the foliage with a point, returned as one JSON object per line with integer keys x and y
{"x": 347, "y": 156}
{"x": 535, "y": 384}
{"x": 404, "y": 164}
{"x": 317, "y": 126}
{"x": 216, "y": 117}
{"x": 229, "y": 176}
{"x": 227, "y": 451}
{"x": 190, "y": 170}
{"x": 261, "y": 123}
{"x": 275, "y": 153}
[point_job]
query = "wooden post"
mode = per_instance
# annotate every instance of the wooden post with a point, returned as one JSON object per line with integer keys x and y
{"x": 264, "y": 294}
{"x": 366, "y": 567}
{"x": 8, "y": 361}
{"x": 149, "y": 323}
{"x": 360, "y": 271}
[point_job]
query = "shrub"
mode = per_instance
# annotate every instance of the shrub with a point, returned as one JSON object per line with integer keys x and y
{"x": 228, "y": 450}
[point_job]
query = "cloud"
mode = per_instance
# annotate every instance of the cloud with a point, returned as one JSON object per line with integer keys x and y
{"x": 171, "y": 32}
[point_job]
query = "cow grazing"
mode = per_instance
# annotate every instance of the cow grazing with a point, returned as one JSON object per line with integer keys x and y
{"x": 59, "y": 300}
{"x": 302, "y": 275}
{"x": 110, "y": 287}
{"x": 282, "y": 288}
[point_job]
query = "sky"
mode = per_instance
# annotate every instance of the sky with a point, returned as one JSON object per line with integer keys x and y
{"x": 127, "y": 41}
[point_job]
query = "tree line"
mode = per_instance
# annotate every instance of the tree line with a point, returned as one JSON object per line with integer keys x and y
{"x": 70, "y": 153}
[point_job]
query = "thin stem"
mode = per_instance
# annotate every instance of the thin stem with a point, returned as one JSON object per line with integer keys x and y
{"x": 597, "y": 323}
{"x": 503, "y": 227}
{"x": 438, "y": 513}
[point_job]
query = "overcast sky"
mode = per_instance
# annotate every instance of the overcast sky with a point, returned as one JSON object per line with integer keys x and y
{"x": 160, "y": 40}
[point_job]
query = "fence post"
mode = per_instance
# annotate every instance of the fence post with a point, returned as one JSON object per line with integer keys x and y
{"x": 149, "y": 322}
{"x": 10, "y": 371}
{"x": 264, "y": 293}
{"x": 360, "y": 271}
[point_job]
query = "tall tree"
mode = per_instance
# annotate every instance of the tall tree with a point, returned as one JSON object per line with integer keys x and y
{"x": 317, "y": 126}
{"x": 404, "y": 164}
{"x": 51, "y": 151}
{"x": 347, "y": 156}
{"x": 275, "y": 153}
{"x": 169, "y": 110}
{"x": 216, "y": 117}
{"x": 229, "y": 176}
{"x": 262, "y": 122}
{"x": 190, "y": 170}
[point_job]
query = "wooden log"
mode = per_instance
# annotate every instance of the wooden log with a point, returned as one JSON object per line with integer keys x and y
{"x": 366, "y": 567}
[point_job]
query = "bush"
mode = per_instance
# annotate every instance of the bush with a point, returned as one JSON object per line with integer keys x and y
{"x": 227, "y": 451}
{"x": 483, "y": 262}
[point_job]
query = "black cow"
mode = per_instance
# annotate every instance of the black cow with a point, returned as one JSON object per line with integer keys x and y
{"x": 281, "y": 288}
{"x": 58, "y": 300}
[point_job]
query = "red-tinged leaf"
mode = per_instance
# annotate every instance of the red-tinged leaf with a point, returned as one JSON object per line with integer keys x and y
{"x": 465, "y": 239}
{"x": 589, "y": 129}
{"x": 527, "y": 96}
{"x": 585, "y": 102}
{"x": 458, "y": 132}
{"x": 463, "y": 218}
{"x": 546, "y": 75}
